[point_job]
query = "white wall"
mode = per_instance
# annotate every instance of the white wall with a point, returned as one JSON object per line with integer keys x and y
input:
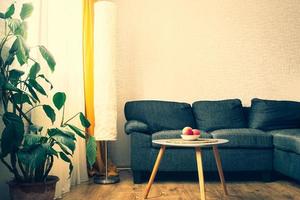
{"x": 187, "y": 50}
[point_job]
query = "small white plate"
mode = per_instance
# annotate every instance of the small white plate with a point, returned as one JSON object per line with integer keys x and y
{"x": 190, "y": 137}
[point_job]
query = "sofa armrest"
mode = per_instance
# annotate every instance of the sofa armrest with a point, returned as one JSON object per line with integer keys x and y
{"x": 136, "y": 126}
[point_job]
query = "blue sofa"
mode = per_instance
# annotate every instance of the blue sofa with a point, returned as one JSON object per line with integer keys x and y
{"x": 263, "y": 138}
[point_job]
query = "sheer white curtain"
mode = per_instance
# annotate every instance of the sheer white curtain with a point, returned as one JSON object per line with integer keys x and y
{"x": 57, "y": 24}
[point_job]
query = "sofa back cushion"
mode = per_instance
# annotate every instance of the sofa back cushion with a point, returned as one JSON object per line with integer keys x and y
{"x": 212, "y": 115}
{"x": 160, "y": 115}
{"x": 272, "y": 114}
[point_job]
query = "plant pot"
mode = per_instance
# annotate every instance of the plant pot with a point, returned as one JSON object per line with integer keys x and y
{"x": 36, "y": 191}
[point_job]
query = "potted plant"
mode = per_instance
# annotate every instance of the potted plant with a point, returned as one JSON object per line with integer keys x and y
{"x": 28, "y": 149}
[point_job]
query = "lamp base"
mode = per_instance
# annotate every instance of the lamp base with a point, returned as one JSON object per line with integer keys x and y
{"x": 106, "y": 180}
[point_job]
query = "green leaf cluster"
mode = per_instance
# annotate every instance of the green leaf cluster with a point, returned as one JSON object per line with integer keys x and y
{"x": 22, "y": 83}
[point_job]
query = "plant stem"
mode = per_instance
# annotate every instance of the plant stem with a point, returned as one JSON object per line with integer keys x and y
{"x": 63, "y": 116}
{"x": 13, "y": 162}
{"x": 7, "y": 165}
{"x": 21, "y": 112}
{"x": 22, "y": 169}
{"x": 32, "y": 59}
{"x": 4, "y": 103}
{"x": 70, "y": 119}
{"x": 21, "y": 107}
{"x": 4, "y": 40}
{"x": 49, "y": 168}
{"x": 32, "y": 108}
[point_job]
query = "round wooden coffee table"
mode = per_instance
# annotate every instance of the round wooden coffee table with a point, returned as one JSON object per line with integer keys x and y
{"x": 197, "y": 144}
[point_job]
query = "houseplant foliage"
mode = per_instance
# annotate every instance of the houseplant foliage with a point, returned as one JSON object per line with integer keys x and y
{"x": 27, "y": 149}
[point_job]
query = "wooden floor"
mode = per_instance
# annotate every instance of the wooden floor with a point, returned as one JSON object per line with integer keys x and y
{"x": 170, "y": 190}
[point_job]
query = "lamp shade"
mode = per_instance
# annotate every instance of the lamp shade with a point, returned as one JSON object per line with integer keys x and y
{"x": 105, "y": 107}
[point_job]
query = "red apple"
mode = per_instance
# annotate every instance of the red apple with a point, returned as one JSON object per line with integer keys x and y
{"x": 196, "y": 132}
{"x": 187, "y": 131}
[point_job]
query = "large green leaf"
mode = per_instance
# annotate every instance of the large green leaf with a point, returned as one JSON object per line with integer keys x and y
{"x": 13, "y": 24}
{"x": 51, "y": 131}
{"x": 59, "y": 99}
{"x": 70, "y": 134}
{"x": 15, "y": 75}
{"x": 2, "y": 15}
{"x": 37, "y": 86}
{"x": 20, "y": 98}
{"x": 76, "y": 130}
{"x": 10, "y": 87}
{"x": 26, "y": 11}
{"x": 9, "y": 117}
{"x": 64, "y": 157}
{"x": 43, "y": 77}
{"x": 2, "y": 79}
{"x": 63, "y": 137}
{"x": 64, "y": 149}
{"x": 35, "y": 68}
{"x": 14, "y": 48}
{"x": 22, "y": 52}
{"x": 34, "y": 96}
{"x": 91, "y": 151}
{"x": 49, "y": 112}
{"x": 22, "y": 30}
{"x": 35, "y": 128}
{"x": 84, "y": 122}
{"x": 18, "y": 27}
{"x": 7, "y": 140}
{"x": 48, "y": 57}
{"x": 1, "y": 61}
{"x": 33, "y": 156}
{"x": 9, "y": 60}
{"x": 32, "y": 139}
{"x": 52, "y": 152}
{"x": 12, "y": 135}
{"x": 10, "y": 11}
{"x": 57, "y": 131}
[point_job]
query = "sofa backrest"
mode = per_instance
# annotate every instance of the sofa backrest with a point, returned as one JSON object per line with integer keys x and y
{"x": 274, "y": 114}
{"x": 222, "y": 114}
{"x": 212, "y": 115}
{"x": 160, "y": 115}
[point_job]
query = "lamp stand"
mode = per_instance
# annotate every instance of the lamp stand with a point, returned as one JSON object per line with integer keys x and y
{"x": 107, "y": 179}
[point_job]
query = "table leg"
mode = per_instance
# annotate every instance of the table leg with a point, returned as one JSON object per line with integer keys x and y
{"x": 219, "y": 166}
{"x": 200, "y": 172}
{"x": 154, "y": 171}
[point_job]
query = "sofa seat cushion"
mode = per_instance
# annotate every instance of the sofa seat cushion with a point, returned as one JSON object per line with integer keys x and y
{"x": 273, "y": 115}
{"x": 169, "y": 134}
{"x": 287, "y": 140}
{"x": 160, "y": 115}
{"x": 213, "y": 115}
{"x": 244, "y": 138}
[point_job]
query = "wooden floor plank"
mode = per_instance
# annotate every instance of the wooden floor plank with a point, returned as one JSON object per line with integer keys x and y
{"x": 167, "y": 190}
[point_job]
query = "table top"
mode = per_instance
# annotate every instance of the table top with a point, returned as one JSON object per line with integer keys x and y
{"x": 200, "y": 142}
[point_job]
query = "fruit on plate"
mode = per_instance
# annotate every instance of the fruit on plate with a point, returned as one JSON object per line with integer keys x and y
{"x": 196, "y": 132}
{"x": 190, "y": 137}
{"x": 187, "y": 131}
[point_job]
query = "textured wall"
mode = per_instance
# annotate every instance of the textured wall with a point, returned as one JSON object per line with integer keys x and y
{"x": 196, "y": 49}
